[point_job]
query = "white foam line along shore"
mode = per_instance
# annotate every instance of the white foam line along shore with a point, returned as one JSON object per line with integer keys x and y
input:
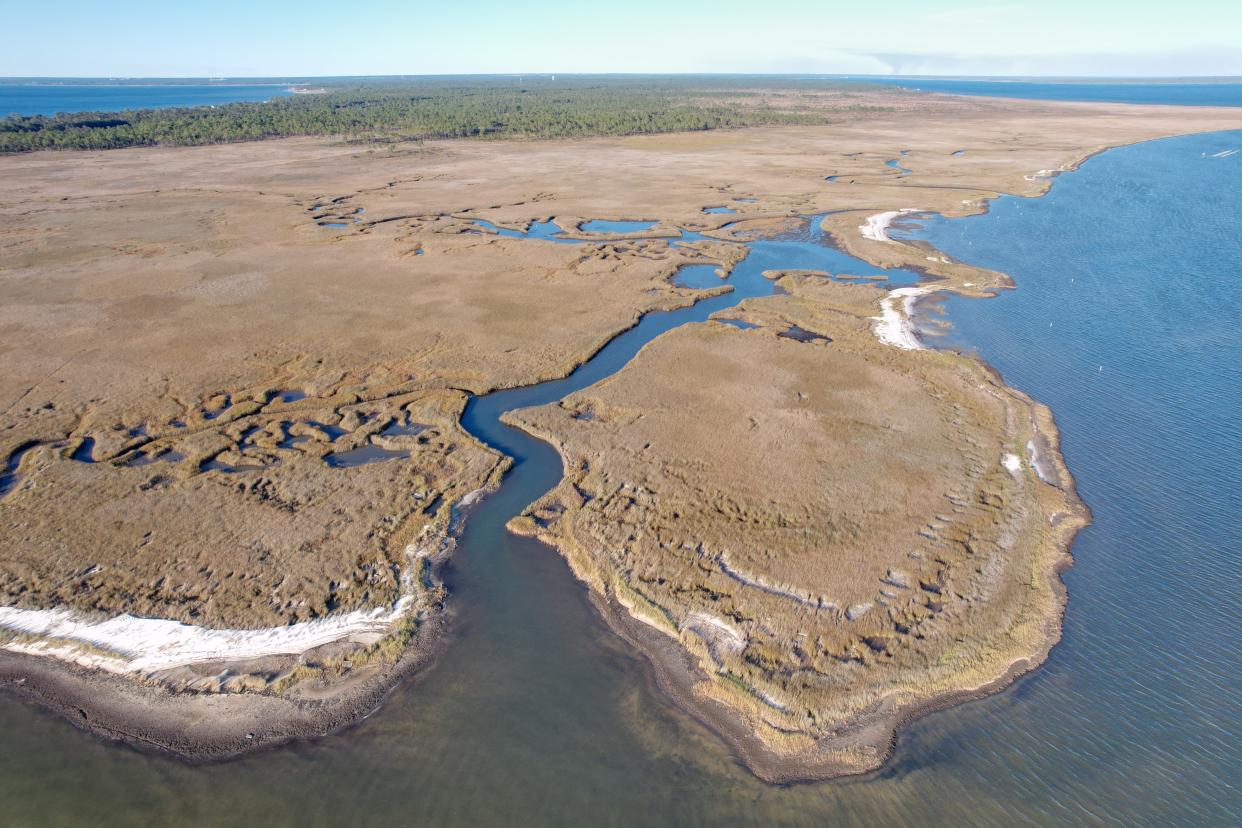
{"x": 892, "y": 326}
{"x": 876, "y": 227}
{"x": 1037, "y": 463}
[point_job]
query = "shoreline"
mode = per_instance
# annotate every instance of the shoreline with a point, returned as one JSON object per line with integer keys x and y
{"x": 133, "y": 645}
{"x": 142, "y": 648}
{"x": 874, "y": 733}
{"x": 685, "y": 695}
{"x": 876, "y": 226}
{"x": 865, "y": 743}
{"x": 208, "y": 727}
{"x": 220, "y": 705}
{"x": 896, "y": 328}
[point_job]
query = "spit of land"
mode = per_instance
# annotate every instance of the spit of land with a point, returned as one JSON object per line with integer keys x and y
{"x": 233, "y": 458}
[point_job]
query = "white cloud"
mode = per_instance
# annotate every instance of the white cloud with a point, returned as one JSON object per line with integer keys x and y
{"x": 1185, "y": 63}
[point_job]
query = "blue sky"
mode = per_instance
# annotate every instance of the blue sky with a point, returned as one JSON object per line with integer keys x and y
{"x": 262, "y": 37}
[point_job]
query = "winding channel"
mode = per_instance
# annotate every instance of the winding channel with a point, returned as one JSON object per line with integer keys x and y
{"x": 537, "y": 466}
{"x": 539, "y": 714}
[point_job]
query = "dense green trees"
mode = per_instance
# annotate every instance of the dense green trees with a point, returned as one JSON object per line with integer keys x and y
{"x": 429, "y": 108}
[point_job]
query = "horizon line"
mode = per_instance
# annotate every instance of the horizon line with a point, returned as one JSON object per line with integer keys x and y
{"x": 545, "y": 74}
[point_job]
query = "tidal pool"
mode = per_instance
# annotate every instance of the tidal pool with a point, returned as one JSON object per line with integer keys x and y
{"x": 698, "y": 277}
{"x": 363, "y": 456}
{"x": 895, "y": 163}
{"x": 606, "y": 226}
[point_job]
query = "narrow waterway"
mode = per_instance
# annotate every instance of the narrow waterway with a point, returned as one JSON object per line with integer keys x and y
{"x": 1124, "y": 320}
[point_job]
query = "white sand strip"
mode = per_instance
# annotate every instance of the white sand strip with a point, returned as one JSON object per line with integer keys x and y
{"x": 876, "y": 227}
{"x": 130, "y": 644}
{"x": 145, "y": 645}
{"x": 718, "y": 631}
{"x": 892, "y": 326}
{"x": 1038, "y": 461}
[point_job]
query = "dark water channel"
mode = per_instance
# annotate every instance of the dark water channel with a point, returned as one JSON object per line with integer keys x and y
{"x": 1124, "y": 321}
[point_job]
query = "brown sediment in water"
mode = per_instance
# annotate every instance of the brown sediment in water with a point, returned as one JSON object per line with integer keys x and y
{"x": 158, "y": 301}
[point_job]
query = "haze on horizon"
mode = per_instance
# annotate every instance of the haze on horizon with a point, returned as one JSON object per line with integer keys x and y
{"x": 82, "y": 38}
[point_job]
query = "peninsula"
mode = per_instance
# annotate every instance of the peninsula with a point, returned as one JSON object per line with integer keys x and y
{"x": 235, "y": 459}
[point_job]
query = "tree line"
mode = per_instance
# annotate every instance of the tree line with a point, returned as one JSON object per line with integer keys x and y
{"x": 426, "y": 109}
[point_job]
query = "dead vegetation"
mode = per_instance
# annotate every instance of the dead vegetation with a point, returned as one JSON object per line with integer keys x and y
{"x": 824, "y": 524}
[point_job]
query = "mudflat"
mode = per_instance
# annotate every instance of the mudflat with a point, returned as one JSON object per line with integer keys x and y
{"x": 235, "y": 376}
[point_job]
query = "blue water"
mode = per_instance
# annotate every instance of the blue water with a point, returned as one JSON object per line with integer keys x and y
{"x": 1125, "y": 321}
{"x": 606, "y": 226}
{"x": 546, "y": 230}
{"x": 804, "y": 250}
{"x": 697, "y": 276}
{"x": 1224, "y": 93}
{"x": 895, "y": 163}
{"x": 363, "y": 456}
{"x": 49, "y": 99}
{"x": 719, "y": 210}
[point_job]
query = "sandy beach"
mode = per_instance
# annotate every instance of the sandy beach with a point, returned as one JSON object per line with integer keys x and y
{"x": 876, "y": 227}
{"x": 893, "y": 325}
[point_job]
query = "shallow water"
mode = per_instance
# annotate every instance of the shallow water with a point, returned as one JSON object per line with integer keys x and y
{"x": 538, "y": 715}
{"x": 895, "y": 163}
{"x": 552, "y": 232}
{"x": 697, "y": 276}
{"x": 363, "y": 456}
{"x": 398, "y": 429}
{"x": 606, "y": 226}
{"x": 84, "y": 453}
{"x": 546, "y": 230}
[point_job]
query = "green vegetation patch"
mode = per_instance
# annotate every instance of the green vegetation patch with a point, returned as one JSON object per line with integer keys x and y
{"x": 450, "y": 107}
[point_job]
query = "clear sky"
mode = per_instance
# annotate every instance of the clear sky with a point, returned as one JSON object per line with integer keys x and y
{"x": 232, "y": 38}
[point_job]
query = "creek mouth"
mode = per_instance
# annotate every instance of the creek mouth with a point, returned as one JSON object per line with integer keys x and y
{"x": 536, "y": 713}
{"x": 536, "y": 465}
{"x": 482, "y": 577}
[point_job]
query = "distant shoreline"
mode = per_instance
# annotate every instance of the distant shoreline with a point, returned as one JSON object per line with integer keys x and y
{"x": 401, "y": 207}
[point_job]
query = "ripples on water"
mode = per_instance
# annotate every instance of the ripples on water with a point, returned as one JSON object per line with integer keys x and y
{"x": 538, "y": 715}
{"x": 1126, "y": 323}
